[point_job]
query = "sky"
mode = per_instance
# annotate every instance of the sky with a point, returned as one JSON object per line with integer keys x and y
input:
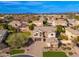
{"x": 39, "y": 6}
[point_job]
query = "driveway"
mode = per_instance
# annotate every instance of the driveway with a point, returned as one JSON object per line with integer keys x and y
{"x": 36, "y": 49}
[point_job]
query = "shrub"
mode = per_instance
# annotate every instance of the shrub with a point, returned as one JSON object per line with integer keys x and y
{"x": 16, "y": 51}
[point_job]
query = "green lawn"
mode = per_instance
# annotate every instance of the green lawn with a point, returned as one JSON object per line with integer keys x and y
{"x": 16, "y": 51}
{"x": 54, "y": 54}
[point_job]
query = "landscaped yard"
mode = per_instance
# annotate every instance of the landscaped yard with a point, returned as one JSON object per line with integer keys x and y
{"x": 16, "y": 51}
{"x": 17, "y": 40}
{"x": 54, "y": 54}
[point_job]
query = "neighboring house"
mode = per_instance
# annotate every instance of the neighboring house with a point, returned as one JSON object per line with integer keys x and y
{"x": 71, "y": 33}
{"x": 24, "y": 26}
{"x": 77, "y": 14}
{"x": 38, "y": 23}
{"x": 61, "y": 22}
{"x": 77, "y": 22}
{"x": 73, "y": 22}
{"x": 51, "y": 21}
{"x": 1, "y": 17}
{"x": 45, "y": 34}
{"x": 42, "y": 18}
{"x": 2, "y": 20}
{"x": 19, "y": 24}
{"x": 15, "y": 23}
{"x": 55, "y": 22}
{"x": 67, "y": 43}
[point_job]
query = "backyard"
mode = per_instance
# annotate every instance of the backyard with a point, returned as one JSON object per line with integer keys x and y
{"x": 54, "y": 54}
{"x": 17, "y": 40}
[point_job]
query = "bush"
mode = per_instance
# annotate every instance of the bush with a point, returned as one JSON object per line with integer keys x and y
{"x": 1, "y": 26}
{"x": 63, "y": 37}
{"x": 60, "y": 29}
{"x": 11, "y": 29}
{"x": 31, "y": 26}
{"x": 45, "y": 23}
{"x": 76, "y": 17}
{"x": 16, "y": 51}
{"x": 70, "y": 53}
{"x": 54, "y": 54}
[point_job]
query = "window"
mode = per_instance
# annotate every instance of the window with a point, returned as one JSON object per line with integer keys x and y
{"x": 36, "y": 34}
{"x": 52, "y": 34}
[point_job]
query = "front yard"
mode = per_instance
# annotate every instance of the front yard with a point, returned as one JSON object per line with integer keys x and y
{"x": 54, "y": 54}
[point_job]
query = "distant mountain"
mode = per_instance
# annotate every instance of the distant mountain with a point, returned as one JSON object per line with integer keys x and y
{"x": 44, "y": 13}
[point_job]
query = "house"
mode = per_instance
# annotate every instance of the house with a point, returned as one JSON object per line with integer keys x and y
{"x": 38, "y": 23}
{"x": 15, "y": 23}
{"x": 61, "y": 22}
{"x": 77, "y": 14}
{"x": 24, "y": 29}
{"x": 67, "y": 43}
{"x": 46, "y": 35}
{"x": 71, "y": 33}
{"x": 22, "y": 25}
{"x": 55, "y": 22}
{"x": 3, "y": 34}
{"x": 1, "y": 18}
{"x": 48, "y": 31}
{"x": 73, "y": 22}
{"x": 51, "y": 21}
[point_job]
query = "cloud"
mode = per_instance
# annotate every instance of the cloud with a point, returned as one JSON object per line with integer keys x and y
{"x": 34, "y": 3}
{"x": 9, "y": 2}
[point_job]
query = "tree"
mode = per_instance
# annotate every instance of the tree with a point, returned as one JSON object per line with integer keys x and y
{"x": 17, "y": 40}
{"x": 31, "y": 26}
{"x": 76, "y": 17}
{"x": 45, "y": 23}
{"x": 11, "y": 29}
{"x": 61, "y": 37}
{"x": 60, "y": 29}
{"x": 77, "y": 38}
{"x": 1, "y": 26}
{"x": 9, "y": 18}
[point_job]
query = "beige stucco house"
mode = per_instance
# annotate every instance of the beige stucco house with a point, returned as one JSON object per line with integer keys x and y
{"x": 55, "y": 22}
{"x": 71, "y": 33}
{"x": 15, "y": 24}
{"x": 38, "y": 23}
{"x": 46, "y": 35}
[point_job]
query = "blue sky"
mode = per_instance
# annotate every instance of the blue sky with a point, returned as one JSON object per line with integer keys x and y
{"x": 38, "y": 6}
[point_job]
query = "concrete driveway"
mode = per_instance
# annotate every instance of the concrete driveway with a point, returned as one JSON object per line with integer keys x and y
{"x": 36, "y": 49}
